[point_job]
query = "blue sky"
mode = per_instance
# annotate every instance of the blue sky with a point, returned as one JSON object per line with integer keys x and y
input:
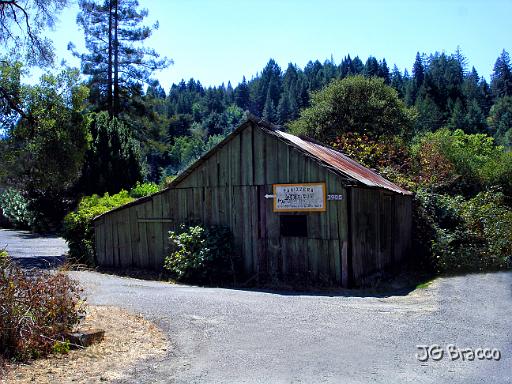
{"x": 221, "y": 40}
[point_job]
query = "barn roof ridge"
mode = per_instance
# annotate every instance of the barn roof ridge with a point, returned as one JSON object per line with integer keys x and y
{"x": 326, "y": 156}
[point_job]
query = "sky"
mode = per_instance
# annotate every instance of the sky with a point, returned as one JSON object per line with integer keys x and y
{"x": 222, "y": 40}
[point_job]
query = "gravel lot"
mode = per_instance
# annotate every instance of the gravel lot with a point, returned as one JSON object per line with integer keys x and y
{"x": 237, "y": 336}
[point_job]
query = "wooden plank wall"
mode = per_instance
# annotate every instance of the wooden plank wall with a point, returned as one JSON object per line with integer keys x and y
{"x": 380, "y": 231}
{"x": 228, "y": 189}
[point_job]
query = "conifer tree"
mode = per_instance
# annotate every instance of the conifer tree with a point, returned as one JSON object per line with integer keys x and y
{"x": 116, "y": 61}
{"x": 371, "y": 68}
{"x": 242, "y": 95}
{"x": 501, "y": 78}
{"x": 384, "y": 72}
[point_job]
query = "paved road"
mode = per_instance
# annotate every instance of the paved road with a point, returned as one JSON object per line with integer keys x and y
{"x": 32, "y": 250}
{"x": 236, "y": 336}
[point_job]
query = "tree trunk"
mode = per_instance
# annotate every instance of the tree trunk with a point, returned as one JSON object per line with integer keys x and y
{"x": 116, "y": 59}
{"x": 109, "y": 79}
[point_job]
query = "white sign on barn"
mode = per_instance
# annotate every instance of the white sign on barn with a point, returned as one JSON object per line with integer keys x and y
{"x": 308, "y": 197}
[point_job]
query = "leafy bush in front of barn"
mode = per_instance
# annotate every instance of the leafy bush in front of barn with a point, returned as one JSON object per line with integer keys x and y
{"x": 201, "y": 255}
{"x": 78, "y": 227}
{"x": 15, "y": 208}
{"x": 37, "y": 308}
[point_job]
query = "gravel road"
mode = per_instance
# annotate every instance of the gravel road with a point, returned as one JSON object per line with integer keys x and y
{"x": 246, "y": 336}
{"x": 236, "y": 336}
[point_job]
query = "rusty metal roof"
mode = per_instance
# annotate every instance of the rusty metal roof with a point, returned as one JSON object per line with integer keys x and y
{"x": 342, "y": 163}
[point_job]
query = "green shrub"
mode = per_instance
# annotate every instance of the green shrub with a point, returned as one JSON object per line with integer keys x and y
{"x": 144, "y": 189}
{"x": 464, "y": 235}
{"x": 201, "y": 254}
{"x": 462, "y": 161}
{"x": 36, "y": 309}
{"x": 15, "y": 208}
{"x": 354, "y": 104}
{"x": 78, "y": 228}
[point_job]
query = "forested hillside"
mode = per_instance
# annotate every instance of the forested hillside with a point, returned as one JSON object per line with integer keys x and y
{"x": 442, "y": 87}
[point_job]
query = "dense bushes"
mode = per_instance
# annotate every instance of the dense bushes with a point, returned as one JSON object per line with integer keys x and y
{"x": 462, "y": 162}
{"x": 36, "y": 311}
{"x": 466, "y": 235}
{"x": 15, "y": 209}
{"x": 78, "y": 229}
{"x": 201, "y": 254}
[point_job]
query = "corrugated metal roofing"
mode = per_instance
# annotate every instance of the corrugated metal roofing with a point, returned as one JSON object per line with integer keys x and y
{"x": 342, "y": 163}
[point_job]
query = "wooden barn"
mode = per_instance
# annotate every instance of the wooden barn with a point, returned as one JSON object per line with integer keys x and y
{"x": 299, "y": 211}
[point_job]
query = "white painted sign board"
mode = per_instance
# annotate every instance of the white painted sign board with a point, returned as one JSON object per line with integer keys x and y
{"x": 308, "y": 197}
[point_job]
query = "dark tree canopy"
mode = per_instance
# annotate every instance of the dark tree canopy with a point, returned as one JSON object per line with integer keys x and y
{"x": 113, "y": 159}
{"x": 501, "y": 78}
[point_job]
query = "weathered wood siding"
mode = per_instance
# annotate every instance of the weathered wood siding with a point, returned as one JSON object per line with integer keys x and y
{"x": 228, "y": 188}
{"x": 380, "y": 231}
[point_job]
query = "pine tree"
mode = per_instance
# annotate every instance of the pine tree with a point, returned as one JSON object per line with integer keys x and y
{"x": 242, "y": 96}
{"x": 475, "y": 118}
{"x": 113, "y": 161}
{"x": 345, "y": 67}
{"x": 413, "y": 86}
{"x": 269, "y": 111}
{"x": 418, "y": 71}
{"x": 397, "y": 81}
{"x": 501, "y": 78}
{"x": 283, "y": 109}
{"x": 384, "y": 72}
{"x": 458, "y": 117}
{"x": 371, "y": 68}
{"x": 116, "y": 62}
{"x": 357, "y": 66}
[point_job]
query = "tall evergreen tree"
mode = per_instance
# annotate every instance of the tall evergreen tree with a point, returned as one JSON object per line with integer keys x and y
{"x": 413, "y": 86}
{"x": 269, "y": 111}
{"x": 371, "y": 68}
{"x": 113, "y": 161}
{"x": 501, "y": 78}
{"x": 418, "y": 70}
{"x": 116, "y": 61}
{"x": 397, "y": 82}
{"x": 357, "y": 66}
{"x": 384, "y": 72}
{"x": 242, "y": 95}
{"x": 345, "y": 67}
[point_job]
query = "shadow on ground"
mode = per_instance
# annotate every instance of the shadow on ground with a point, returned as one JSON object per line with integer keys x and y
{"x": 400, "y": 284}
{"x": 40, "y": 262}
{"x": 30, "y": 235}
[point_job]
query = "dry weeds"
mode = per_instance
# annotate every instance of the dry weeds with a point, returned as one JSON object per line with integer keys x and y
{"x": 128, "y": 339}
